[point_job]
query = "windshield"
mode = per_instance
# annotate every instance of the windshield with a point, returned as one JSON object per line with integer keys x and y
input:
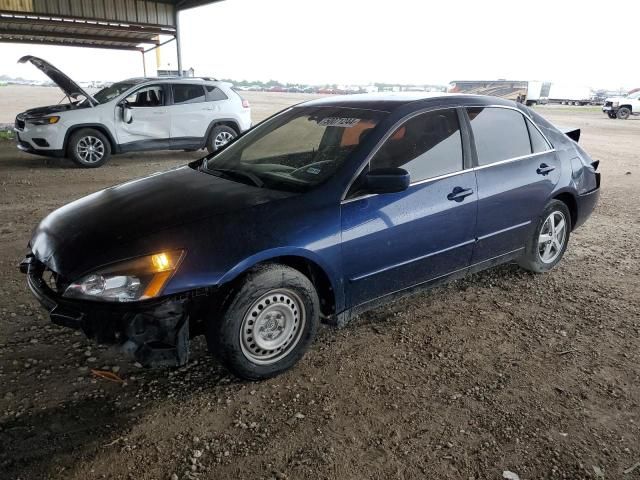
{"x": 109, "y": 93}
{"x": 634, "y": 95}
{"x": 296, "y": 150}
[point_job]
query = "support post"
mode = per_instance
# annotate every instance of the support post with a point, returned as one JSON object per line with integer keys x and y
{"x": 178, "y": 45}
{"x": 144, "y": 64}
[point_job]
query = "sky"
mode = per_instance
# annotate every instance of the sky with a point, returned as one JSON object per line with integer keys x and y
{"x": 365, "y": 41}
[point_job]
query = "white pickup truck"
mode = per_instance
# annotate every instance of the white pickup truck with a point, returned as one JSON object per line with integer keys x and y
{"x": 622, "y": 107}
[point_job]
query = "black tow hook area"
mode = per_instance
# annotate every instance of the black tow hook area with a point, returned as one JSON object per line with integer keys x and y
{"x": 159, "y": 338}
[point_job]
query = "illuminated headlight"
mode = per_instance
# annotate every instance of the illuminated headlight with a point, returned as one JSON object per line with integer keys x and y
{"x": 43, "y": 120}
{"x": 138, "y": 279}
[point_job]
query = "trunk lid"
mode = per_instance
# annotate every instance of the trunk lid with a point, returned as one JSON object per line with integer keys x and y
{"x": 66, "y": 84}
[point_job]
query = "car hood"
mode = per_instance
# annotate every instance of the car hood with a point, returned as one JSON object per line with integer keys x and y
{"x": 68, "y": 86}
{"x": 48, "y": 110}
{"x": 98, "y": 228}
{"x": 616, "y": 99}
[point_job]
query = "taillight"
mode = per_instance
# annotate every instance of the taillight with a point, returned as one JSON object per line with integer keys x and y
{"x": 245, "y": 103}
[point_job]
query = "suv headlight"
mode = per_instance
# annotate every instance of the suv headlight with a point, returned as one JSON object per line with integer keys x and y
{"x": 43, "y": 120}
{"x": 615, "y": 104}
{"x": 137, "y": 279}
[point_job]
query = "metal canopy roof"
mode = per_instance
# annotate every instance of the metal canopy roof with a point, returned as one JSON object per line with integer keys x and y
{"x": 112, "y": 24}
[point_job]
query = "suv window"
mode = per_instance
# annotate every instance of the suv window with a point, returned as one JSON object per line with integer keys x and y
{"x": 214, "y": 93}
{"x": 187, "y": 93}
{"x": 538, "y": 143}
{"x": 427, "y": 146}
{"x": 151, "y": 96}
{"x": 499, "y": 134}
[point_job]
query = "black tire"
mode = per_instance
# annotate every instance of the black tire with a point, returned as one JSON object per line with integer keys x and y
{"x": 265, "y": 291}
{"x": 532, "y": 260}
{"x": 83, "y": 138}
{"x": 216, "y": 132}
{"x": 623, "y": 113}
{"x": 612, "y": 115}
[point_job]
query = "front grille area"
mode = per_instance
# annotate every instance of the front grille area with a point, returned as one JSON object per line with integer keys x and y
{"x": 19, "y": 123}
{"x": 608, "y": 104}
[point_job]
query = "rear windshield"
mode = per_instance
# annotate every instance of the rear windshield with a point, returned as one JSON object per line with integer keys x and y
{"x": 296, "y": 150}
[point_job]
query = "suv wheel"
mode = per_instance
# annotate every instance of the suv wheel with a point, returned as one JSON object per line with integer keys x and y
{"x": 220, "y": 136}
{"x": 89, "y": 148}
{"x": 624, "y": 113}
{"x": 268, "y": 323}
{"x": 612, "y": 115}
{"x": 546, "y": 247}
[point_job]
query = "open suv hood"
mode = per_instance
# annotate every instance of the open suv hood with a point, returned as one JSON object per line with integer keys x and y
{"x": 68, "y": 86}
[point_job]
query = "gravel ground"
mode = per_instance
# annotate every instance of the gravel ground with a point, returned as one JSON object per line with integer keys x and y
{"x": 501, "y": 372}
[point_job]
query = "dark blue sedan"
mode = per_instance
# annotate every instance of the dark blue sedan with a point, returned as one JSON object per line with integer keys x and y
{"x": 320, "y": 212}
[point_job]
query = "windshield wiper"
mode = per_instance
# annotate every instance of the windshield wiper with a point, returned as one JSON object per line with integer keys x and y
{"x": 228, "y": 172}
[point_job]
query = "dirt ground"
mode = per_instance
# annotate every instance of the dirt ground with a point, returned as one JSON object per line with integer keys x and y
{"x": 503, "y": 371}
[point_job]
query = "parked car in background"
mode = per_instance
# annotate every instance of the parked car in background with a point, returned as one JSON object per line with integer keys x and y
{"x": 325, "y": 210}
{"x": 137, "y": 114}
{"x": 622, "y": 107}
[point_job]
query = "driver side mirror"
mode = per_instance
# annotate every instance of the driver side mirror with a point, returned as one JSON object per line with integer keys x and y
{"x": 127, "y": 114}
{"x": 387, "y": 180}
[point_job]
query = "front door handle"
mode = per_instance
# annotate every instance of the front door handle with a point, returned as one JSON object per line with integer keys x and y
{"x": 459, "y": 194}
{"x": 543, "y": 169}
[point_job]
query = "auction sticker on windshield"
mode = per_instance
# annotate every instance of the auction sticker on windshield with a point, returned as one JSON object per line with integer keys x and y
{"x": 338, "y": 122}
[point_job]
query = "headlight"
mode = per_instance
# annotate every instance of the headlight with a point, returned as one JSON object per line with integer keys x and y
{"x": 43, "y": 120}
{"x": 615, "y": 104}
{"x": 129, "y": 281}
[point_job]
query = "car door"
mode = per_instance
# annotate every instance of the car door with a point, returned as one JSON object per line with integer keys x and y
{"x": 517, "y": 171}
{"x": 190, "y": 115}
{"x": 149, "y": 124}
{"x": 394, "y": 241}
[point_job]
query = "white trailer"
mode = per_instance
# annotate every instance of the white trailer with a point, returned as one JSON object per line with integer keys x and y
{"x": 537, "y": 93}
{"x": 569, "y": 94}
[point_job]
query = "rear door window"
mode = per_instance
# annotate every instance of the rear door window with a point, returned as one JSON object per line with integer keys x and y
{"x": 538, "y": 143}
{"x": 428, "y": 145}
{"x": 499, "y": 134}
{"x": 187, "y": 93}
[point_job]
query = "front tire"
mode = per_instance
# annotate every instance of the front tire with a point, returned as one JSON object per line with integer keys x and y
{"x": 546, "y": 247}
{"x": 89, "y": 148}
{"x": 268, "y": 323}
{"x": 612, "y": 115}
{"x": 623, "y": 113}
{"x": 219, "y": 137}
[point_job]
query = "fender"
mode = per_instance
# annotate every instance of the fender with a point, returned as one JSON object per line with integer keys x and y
{"x": 264, "y": 256}
{"x": 222, "y": 120}
{"x": 115, "y": 148}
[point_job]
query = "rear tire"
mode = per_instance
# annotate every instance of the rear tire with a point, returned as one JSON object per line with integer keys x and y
{"x": 267, "y": 323}
{"x": 623, "y": 113}
{"x": 546, "y": 247}
{"x": 89, "y": 148}
{"x": 219, "y": 137}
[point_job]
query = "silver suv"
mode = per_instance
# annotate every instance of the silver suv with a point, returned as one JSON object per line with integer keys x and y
{"x": 137, "y": 114}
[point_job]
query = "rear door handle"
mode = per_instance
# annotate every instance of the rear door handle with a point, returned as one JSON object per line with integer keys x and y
{"x": 459, "y": 194}
{"x": 543, "y": 169}
{"x": 159, "y": 112}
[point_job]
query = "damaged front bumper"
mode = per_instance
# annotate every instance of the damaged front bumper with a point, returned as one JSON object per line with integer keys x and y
{"x": 155, "y": 332}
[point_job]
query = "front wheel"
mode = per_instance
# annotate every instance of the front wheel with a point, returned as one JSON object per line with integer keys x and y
{"x": 546, "y": 247}
{"x": 624, "y": 113}
{"x": 219, "y": 137}
{"x": 268, "y": 323}
{"x": 612, "y": 115}
{"x": 89, "y": 148}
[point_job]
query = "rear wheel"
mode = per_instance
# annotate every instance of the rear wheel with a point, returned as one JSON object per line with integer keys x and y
{"x": 89, "y": 148}
{"x": 624, "y": 113}
{"x": 546, "y": 247}
{"x": 219, "y": 137}
{"x": 268, "y": 324}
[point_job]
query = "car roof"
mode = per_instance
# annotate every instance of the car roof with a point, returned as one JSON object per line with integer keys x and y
{"x": 175, "y": 80}
{"x": 389, "y": 101}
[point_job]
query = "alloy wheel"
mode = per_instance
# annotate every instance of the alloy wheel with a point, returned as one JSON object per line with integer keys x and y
{"x": 272, "y": 327}
{"x": 90, "y": 149}
{"x": 222, "y": 139}
{"x": 553, "y": 235}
